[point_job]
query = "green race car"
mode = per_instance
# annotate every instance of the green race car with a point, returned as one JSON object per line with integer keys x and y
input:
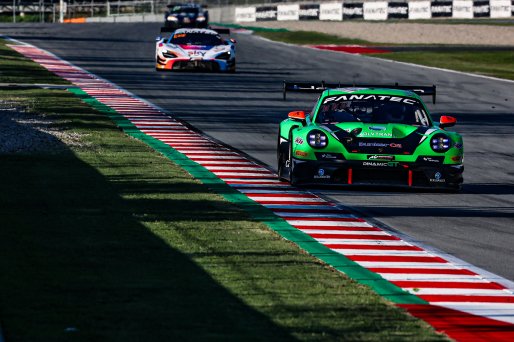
{"x": 369, "y": 135}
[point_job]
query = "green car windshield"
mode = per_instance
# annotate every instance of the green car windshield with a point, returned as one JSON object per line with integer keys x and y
{"x": 372, "y": 109}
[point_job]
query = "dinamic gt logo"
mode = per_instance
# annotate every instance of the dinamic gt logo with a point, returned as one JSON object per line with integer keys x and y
{"x": 380, "y": 164}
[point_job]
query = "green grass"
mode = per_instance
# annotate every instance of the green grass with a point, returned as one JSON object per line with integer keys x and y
{"x": 490, "y": 63}
{"x": 17, "y": 69}
{"x": 113, "y": 242}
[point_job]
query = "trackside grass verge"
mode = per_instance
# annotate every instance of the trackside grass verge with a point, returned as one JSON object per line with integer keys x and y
{"x": 17, "y": 69}
{"x": 499, "y": 63}
{"x": 490, "y": 63}
{"x": 111, "y": 241}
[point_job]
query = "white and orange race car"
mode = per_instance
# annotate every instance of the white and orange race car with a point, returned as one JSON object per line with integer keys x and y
{"x": 195, "y": 49}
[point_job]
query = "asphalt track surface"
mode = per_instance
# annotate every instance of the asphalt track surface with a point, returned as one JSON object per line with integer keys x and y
{"x": 243, "y": 110}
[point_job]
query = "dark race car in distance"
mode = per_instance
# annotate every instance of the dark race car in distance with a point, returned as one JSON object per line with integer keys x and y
{"x": 369, "y": 135}
{"x": 186, "y": 15}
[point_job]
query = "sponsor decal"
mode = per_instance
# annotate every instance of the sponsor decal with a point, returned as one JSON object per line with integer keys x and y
{"x": 458, "y": 146}
{"x": 398, "y": 10}
{"x": 377, "y": 144}
{"x": 266, "y": 13}
{"x": 245, "y": 14}
{"x": 375, "y": 10}
{"x": 184, "y": 32}
{"x": 481, "y": 9}
{"x": 353, "y": 11}
{"x": 196, "y": 53}
{"x": 438, "y": 178}
{"x": 463, "y": 9}
{"x": 441, "y": 9}
{"x": 309, "y": 12}
{"x": 288, "y": 12}
{"x": 376, "y": 134}
{"x": 329, "y": 156}
{"x": 299, "y": 141}
{"x": 379, "y": 157}
{"x": 369, "y": 97}
{"x": 331, "y": 11}
{"x": 377, "y": 128}
{"x": 501, "y": 9}
{"x": 431, "y": 160}
{"x": 380, "y": 164}
{"x": 419, "y": 10}
{"x": 321, "y": 174}
{"x": 301, "y": 153}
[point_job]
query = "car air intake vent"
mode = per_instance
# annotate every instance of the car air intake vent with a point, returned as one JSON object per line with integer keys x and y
{"x": 225, "y": 56}
{"x": 169, "y": 55}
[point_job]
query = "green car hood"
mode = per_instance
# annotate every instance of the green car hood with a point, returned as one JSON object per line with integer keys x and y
{"x": 375, "y": 130}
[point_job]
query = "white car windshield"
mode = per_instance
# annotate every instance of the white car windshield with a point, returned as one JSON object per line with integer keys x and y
{"x": 372, "y": 109}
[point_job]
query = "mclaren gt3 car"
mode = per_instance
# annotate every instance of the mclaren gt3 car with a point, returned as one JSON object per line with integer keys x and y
{"x": 195, "y": 49}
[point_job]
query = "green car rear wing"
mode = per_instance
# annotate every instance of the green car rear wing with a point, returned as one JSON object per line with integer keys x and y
{"x": 313, "y": 87}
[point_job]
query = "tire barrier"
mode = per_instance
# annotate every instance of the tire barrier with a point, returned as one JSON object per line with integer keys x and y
{"x": 378, "y": 10}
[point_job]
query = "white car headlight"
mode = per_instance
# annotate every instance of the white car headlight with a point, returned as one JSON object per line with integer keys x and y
{"x": 200, "y": 18}
{"x": 171, "y": 18}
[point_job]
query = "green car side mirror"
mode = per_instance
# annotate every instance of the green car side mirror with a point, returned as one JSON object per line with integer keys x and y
{"x": 447, "y": 121}
{"x": 297, "y": 115}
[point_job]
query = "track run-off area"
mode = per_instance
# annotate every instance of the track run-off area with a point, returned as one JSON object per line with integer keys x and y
{"x": 243, "y": 110}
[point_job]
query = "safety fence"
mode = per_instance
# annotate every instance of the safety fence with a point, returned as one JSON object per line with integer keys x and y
{"x": 377, "y": 10}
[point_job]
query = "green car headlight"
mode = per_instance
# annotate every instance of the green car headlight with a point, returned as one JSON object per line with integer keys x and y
{"x": 317, "y": 139}
{"x": 440, "y": 143}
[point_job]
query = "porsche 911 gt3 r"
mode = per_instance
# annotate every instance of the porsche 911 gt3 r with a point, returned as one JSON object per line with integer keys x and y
{"x": 369, "y": 135}
{"x": 195, "y": 49}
